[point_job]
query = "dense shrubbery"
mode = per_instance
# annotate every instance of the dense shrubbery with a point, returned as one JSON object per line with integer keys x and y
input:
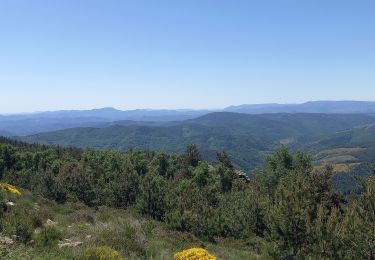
{"x": 291, "y": 206}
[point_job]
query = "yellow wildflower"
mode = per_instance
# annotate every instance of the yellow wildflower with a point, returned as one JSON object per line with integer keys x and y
{"x": 194, "y": 254}
{"x": 10, "y": 188}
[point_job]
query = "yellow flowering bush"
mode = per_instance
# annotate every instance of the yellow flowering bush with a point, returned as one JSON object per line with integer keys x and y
{"x": 10, "y": 188}
{"x": 101, "y": 253}
{"x": 194, "y": 254}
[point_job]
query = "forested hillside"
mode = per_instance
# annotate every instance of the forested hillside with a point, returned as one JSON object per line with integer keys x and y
{"x": 246, "y": 138}
{"x": 288, "y": 210}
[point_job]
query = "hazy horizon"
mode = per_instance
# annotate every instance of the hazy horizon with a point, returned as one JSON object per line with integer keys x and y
{"x": 174, "y": 109}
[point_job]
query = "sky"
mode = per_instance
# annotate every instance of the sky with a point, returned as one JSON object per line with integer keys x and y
{"x": 82, "y": 54}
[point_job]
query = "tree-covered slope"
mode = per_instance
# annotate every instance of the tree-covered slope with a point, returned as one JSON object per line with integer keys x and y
{"x": 350, "y": 152}
{"x": 247, "y": 138}
{"x": 356, "y": 145}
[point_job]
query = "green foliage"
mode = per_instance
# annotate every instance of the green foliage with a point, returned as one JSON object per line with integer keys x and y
{"x": 49, "y": 236}
{"x": 101, "y": 253}
{"x": 241, "y": 214}
{"x": 201, "y": 175}
{"x": 36, "y": 221}
{"x": 160, "y": 165}
{"x": 246, "y": 138}
{"x": 18, "y": 221}
{"x": 120, "y": 236}
{"x": 308, "y": 218}
{"x": 227, "y": 176}
{"x": 53, "y": 189}
{"x": 289, "y": 204}
{"x": 24, "y": 232}
{"x": 3, "y": 210}
{"x": 192, "y": 155}
{"x": 358, "y": 227}
{"x": 151, "y": 198}
{"x": 3, "y": 206}
{"x": 223, "y": 158}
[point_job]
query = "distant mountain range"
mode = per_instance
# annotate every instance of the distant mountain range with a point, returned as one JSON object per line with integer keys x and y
{"x": 330, "y": 107}
{"x": 112, "y": 114}
{"x": 27, "y": 124}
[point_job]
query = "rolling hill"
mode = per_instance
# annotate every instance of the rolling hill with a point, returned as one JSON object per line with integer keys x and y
{"x": 247, "y": 138}
{"x": 350, "y": 152}
{"x": 27, "y": 124}
{"x": 33, "y": 123}
{"x": 353, "y": 146}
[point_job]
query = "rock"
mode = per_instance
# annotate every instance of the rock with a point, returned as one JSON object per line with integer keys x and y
{"x": 6, "y": 240}
{"x": 9, "y": 203}
{"x": 71, "y": 244}
{"x": 50, "y": 223}
{"x": 88, "y": 236}
{"x": 242, "y": 175}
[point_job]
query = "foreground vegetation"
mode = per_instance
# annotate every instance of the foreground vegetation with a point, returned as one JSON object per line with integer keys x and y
{"x": 79, "y": 232}
{"x": 288, "y": 210}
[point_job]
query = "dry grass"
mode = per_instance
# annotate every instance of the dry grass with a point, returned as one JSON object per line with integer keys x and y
{"x": 340, "y": 167}
{"x": 342, "y": 159}
{"x": 339, "y": 159}
{"x": 342, "y": 150}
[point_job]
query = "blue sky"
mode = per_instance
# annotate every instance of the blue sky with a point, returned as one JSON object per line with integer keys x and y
{"x": 77, "y": 54}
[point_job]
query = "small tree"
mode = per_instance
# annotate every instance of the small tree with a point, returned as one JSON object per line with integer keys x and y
{"x": 223, "y": 157}
{"x": 192, "y": 155}
{"x": 226, "y": 177}
{"x": 201, "y": 174}
{"x": 151, "y": 199}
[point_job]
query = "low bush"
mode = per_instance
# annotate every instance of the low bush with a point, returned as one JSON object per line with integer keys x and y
{"x": 101, "y": 253}
{"x": 49, "y": 236}
{"x": 193, "y": 254}
{"x": 24, "y": 232}
{"x": 120, "y": 236}
{"x": 36, "y": 221}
